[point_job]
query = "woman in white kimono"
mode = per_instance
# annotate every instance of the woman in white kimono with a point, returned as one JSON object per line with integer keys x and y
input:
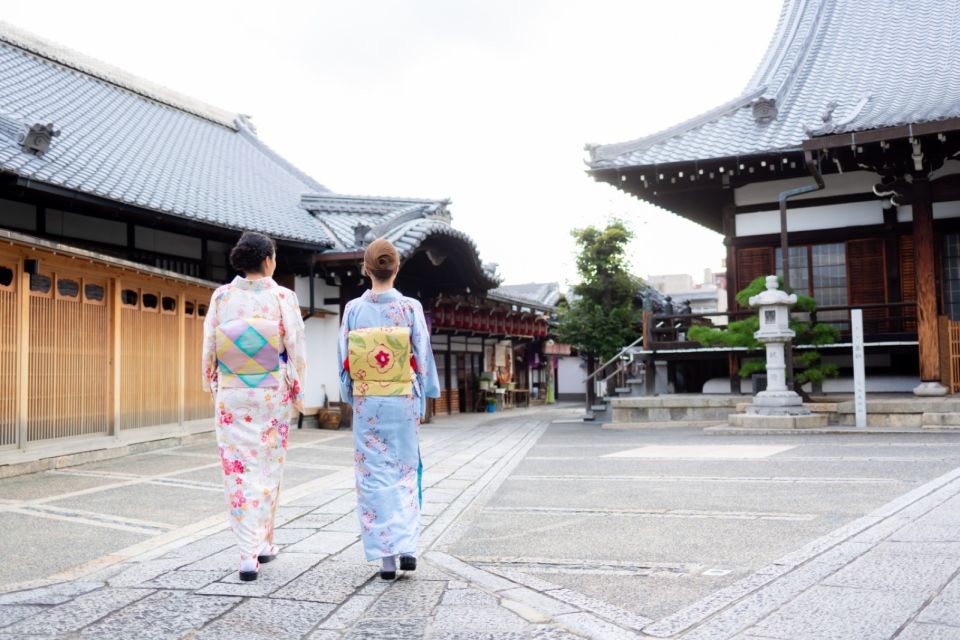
{"x": 387, "y": 371}
{"x": 253, "y": 364}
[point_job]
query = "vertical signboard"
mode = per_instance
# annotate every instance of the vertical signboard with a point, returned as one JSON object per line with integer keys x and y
{"x": 859, "y": 378}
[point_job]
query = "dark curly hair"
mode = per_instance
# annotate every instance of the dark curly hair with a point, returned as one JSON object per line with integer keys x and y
{"x": 250, "y": 251}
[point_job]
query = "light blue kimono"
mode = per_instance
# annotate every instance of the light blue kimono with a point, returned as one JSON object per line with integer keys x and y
{"x": 386, "y": 430}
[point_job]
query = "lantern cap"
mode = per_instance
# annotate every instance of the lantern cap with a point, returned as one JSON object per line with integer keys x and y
{"x": 773, "y": 295}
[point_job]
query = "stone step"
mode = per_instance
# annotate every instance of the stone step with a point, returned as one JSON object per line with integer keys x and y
{"x": 598, "y": 407}
{"x": 623, "y": 390}
{"x": 815, "y": 407}
{"x": 752, "y": 421}
{"x": 941, "y": 420}
{"x": 891, "y": 420}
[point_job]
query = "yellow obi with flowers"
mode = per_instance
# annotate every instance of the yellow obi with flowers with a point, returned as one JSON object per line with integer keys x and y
{"x": 379, "y": 361}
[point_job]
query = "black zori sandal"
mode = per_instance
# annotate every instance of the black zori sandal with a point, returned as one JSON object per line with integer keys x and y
{"x": 248, "y": 576}
{"x": 388, "y": 575}
{"x": 408, "y": 563}
{"x": 267, "y": 558}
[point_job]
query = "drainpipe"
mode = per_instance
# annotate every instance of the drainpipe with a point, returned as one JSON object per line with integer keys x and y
{"x": 784, "y": 245}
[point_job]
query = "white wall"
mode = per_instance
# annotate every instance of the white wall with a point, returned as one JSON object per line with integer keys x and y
{"x": 941, "y": 211}
{"x": 571, "y": 370}
{"x": 852, "y": 214}
{"x": 834, "y": 185}
{"x": 321, "y": 332}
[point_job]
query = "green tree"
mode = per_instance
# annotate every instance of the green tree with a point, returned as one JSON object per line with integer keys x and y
{"x": 601, "y": 318}
{"x": 807, "y": 363}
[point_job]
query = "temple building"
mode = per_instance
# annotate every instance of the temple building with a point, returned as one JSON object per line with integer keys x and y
{"x": 119, "y": 203}
{"x": 857, "y": 134}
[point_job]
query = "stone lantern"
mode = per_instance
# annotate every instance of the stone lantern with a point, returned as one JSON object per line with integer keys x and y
{"x": 774, "y": 307}
{"x": 777, "y": 406}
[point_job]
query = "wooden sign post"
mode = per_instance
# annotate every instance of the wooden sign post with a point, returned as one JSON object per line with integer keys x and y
{"x": 859, "y": 378}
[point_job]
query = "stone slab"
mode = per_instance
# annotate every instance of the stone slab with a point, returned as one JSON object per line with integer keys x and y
{"x": 923, "y": 631}
{"x": 185, "y": 579}
{"x": 460, "y": 618}
{"x": 348, "y": 613}
{"x": 471, "y": 597}
{"x": 272, "y": 577}
{"x": 267, "y": 619}
{"x": 591, "y": 626}
{"x": 52, "y": 594}
{"x": 831, "y": 613}
{"x": 945, "y": 607}
{"x": 407, "y": 600}
{"x": 324, "y": 542}
{"x": 329, "y": 582}
{"x": 388, "y": 629}
{"x": 77, "y": 613}
{"x": 164, "y": 615}
{"x": 10, "y": 613}
{"x": 901, "y": 572}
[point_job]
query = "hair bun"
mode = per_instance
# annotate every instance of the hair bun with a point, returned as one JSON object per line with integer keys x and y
{"x": 381, "y": 259}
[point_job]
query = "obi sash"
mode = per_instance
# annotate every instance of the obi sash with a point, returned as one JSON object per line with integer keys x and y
{"x": 248, "y": 353}
{"x": 380, "y": 361}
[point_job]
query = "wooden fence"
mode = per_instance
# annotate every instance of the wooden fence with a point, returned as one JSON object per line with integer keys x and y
{"x": 91, "y": 346}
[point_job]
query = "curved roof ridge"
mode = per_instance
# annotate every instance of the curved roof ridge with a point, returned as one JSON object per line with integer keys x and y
{"x": 796, "y": 49}
{"x": 88, "y": 65}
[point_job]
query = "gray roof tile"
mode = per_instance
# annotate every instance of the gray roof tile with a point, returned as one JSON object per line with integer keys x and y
{"x": 543, "y": 294}
{"x": 133, "y": 142}
{"x": 823, "y": 52}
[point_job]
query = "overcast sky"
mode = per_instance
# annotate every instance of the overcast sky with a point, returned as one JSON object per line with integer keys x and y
{"x": 486, "y": 102}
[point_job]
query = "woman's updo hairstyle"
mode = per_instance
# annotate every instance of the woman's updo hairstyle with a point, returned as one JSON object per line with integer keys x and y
{"x": 250, "y": 251}
{"x": 381, "y": 259}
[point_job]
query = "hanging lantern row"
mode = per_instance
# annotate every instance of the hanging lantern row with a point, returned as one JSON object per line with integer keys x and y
{"x": 490, "y": 322}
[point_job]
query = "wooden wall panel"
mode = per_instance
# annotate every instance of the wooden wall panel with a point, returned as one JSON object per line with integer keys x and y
{"x": 149, "y": 364}
{"x": 867, "y": 280}
{"x": 68, "y": 360}
{"x": 197, "y": 402}
{"x": 9, "y": 350}
{"x": 58, "y": 346}
{"x": 753, "y": 262}
{"x": 908, "y": 282}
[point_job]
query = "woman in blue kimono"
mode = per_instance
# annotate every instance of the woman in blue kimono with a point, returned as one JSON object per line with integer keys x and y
{"x": 387, "y": 371}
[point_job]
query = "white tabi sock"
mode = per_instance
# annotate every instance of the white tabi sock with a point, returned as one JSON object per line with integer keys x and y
{"x": 248, "y": 564}
{"x": 390, "y": 563}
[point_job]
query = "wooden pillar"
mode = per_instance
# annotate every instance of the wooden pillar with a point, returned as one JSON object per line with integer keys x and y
{"x": 115, "y": 312}
{"x": 23, "y": 352}
{"x": 923, "y": 249}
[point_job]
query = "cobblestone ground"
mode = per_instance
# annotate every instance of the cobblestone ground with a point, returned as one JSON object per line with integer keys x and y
{"x": 884, "y": 564}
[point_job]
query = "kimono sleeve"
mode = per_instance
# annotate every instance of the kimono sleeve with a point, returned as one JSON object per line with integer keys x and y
{"x": 209, "y": 358}
{"x": 423, "y": 352}
{"x": 295, "y": 345}
{"x": 346, "y": 382}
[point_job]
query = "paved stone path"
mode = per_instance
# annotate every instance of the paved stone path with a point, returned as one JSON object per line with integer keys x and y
{"x": 889, "y": 574}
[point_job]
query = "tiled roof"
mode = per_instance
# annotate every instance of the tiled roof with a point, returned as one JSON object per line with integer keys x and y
{"x": 545, "y": 294}
{"x": 833, "y": 66}
{"x": 353, "y": 221}
{"x": 133, "y": 142}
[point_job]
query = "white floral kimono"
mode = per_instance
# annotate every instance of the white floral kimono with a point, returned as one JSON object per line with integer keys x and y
{"x": 254, "y": 362}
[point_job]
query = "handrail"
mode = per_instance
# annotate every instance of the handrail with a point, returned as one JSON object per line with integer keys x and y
{"x": 613, "y": 359}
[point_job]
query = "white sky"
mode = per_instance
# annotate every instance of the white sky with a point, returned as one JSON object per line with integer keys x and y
{"x": 487, "y": 102}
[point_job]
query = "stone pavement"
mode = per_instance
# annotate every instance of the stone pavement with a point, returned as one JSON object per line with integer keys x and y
{"x": 891, "y": 573}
